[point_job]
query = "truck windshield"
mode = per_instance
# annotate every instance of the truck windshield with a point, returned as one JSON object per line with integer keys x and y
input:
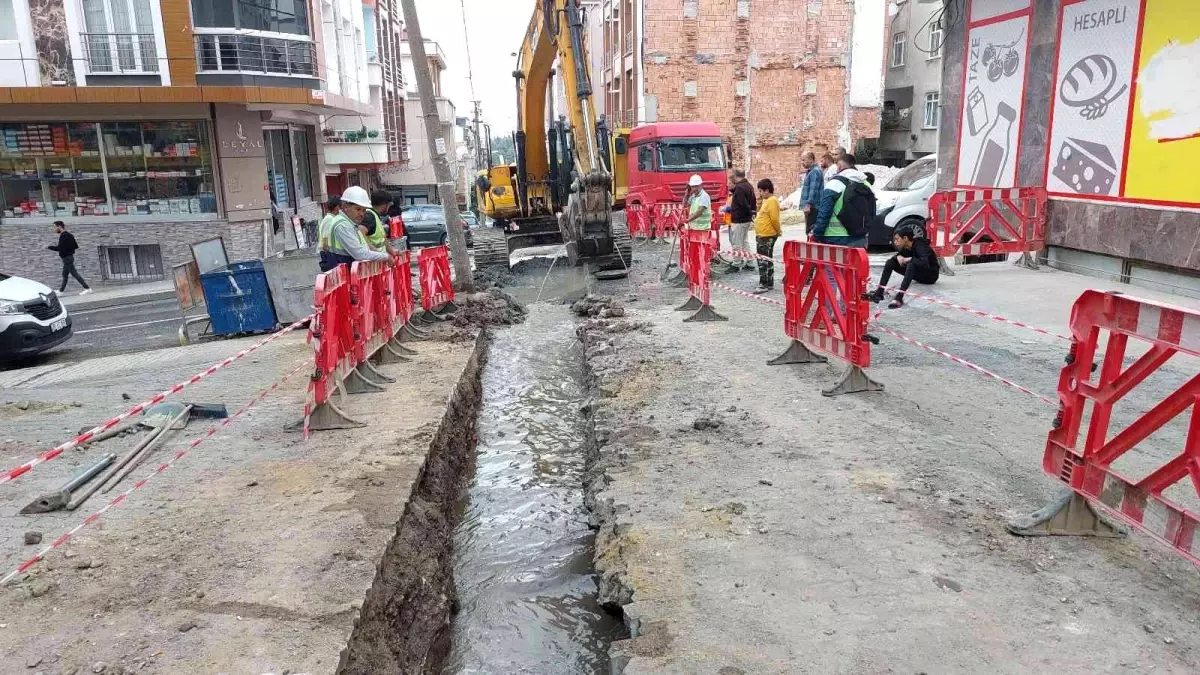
{"x": 691, "y": 154}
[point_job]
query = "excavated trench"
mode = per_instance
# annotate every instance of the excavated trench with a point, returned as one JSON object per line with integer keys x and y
{"x": 490, "y": 570}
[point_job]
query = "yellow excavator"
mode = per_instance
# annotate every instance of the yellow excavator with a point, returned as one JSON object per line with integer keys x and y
{"x": 560, "y": 189}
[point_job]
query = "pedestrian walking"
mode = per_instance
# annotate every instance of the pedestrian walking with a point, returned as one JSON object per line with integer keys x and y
{"x": 810, "y": 190}
{"x": 767, "y": 230}
{"x": 66, "y": 248}
{"x": 742, "y": 207}
{"x": 341, "y": 240}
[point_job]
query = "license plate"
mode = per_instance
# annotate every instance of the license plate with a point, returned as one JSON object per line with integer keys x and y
{"x": 58, "y": 325}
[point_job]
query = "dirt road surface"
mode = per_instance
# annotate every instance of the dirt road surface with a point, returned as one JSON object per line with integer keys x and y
{"x": 754, "y": 526}
{"x": 253, "y": 554}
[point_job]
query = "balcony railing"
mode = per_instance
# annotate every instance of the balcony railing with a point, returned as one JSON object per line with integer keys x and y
{"x": 120, "y": 53}
{"x": 236, "y": 53}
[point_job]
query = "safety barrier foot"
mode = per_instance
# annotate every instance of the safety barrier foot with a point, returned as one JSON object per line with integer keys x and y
{"x": 1069, "y": 514}
{"x": 398, "y": 347}
{"x": 387, "y": 356}
{"x": 705, "y": 313}
{"x": 943, "y": 268}
{"x": 447, "y": 308}
{"x": 410, "y": 332}
{"x": 374, "y": 373}
{"x": 419, "y": 320}
{"x": 679, "y": 280}
{"x": 432, "y": 317}
{"x": 357, "y": 382}
{"x": 693, "y": 303}
{"x": 1027, "y": 260}
{"x": 853, "y": 381}
{"x": 796, "y": 352}
{"x": 328, "y": 416}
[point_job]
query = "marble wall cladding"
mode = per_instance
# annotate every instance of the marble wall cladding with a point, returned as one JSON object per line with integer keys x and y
{"x": 49, "y": 21}
{"x": 1161, "y": 236}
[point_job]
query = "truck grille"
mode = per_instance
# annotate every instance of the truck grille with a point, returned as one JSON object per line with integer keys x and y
{"x": 44, "y": 310}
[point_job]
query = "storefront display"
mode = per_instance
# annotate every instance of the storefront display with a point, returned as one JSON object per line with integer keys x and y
{"x": 80, "y": 169}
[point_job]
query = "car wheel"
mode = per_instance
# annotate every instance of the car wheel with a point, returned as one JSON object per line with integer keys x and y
{"x": 444, "y": 240}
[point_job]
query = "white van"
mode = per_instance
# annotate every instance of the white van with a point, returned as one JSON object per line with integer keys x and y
{"x": 904, "y": 200}
{"x": 32, "y": 319}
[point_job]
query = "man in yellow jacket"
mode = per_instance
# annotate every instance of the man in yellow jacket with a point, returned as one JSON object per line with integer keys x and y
{"x": 766, "y": 232}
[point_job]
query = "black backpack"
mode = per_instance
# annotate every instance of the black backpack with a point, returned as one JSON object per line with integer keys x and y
{"x": 857, "y": 207}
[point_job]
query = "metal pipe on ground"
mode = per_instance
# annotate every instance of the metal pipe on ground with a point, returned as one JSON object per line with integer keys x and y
{"x": 77, "y": 501}
{"x": 145, "y": 451}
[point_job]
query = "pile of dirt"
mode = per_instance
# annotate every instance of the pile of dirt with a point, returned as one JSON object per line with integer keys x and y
{"x": 489, "y": 277}
{"x": 598, "y": 306}
{"x": 493, "y": 307}
{"x": 533, "y": 264}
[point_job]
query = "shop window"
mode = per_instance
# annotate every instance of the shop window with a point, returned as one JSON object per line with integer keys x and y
{"x": 303, "y": 164}
{"x": 280, "y": 180}
{"x": 83, "y": 169}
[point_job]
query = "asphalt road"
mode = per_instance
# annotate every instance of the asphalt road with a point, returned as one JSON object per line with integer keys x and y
{"x": 115, "y": 330}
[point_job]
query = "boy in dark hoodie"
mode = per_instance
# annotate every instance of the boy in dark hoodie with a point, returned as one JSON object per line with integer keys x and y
{"x": 914, "y": 259}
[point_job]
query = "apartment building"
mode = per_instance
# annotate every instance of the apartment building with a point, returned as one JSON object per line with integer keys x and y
{"x": 149, "y": 125}
{"x": 912, "y": 98}
{"x": 778, "y": 76}
{"x": 414, "y": 179}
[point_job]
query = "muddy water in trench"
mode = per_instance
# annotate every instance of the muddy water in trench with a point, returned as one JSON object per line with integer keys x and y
{"x": 523, "y": 549}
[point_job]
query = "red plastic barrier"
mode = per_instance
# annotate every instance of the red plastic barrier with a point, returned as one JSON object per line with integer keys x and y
{"x": 434, "y": 267}
{"x": 987, "y": 222}
{"x": 699, "y": 247}
{"x": 366, "y": 289}
{"x": 669, "y": 217}
{"x": 638, "y": 220}
{"x": 831, "y": 314}
{"x": 331, "y": 334}
{"x": 1088, "y": 469}
{"x": 402, "y": 295}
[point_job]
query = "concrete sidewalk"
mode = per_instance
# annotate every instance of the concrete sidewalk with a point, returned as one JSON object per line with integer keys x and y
{"x": 117, "y": 295}
{"x": 750, "y": 525}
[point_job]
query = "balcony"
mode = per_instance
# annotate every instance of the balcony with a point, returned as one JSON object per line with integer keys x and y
{"x": 355, "y": 146}
{"x": 253, "y": 54}
{"x": 120, "y": 53}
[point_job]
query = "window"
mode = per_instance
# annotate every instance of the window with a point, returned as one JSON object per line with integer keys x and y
{"x": 645, "y": 157}
{"x": 699, "y": 154}
{"x": 369, "y": 28}
{"x": 933, "y": 108}
{"x": 108, "y": 169}
{"x": 8, "y": 21}
{"x": 119, "y": 37}
{"x": 275, "y": 16}
{"x": 936, "y": 34}
{"x": 280, "y": 179}
{"x": 303, "y": 164}
{"x": 899, "y": 41}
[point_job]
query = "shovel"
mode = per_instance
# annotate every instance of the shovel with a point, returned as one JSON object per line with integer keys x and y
{"x": 57, "y": 500}
{"x": 162, "y": 413}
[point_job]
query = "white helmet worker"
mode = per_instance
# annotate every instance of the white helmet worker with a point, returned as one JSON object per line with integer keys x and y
{"x": 356, "y": 195}
{"x": 694, "y": 181}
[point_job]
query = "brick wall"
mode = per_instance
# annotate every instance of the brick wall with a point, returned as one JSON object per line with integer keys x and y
{"x": 23, "y": 247}
{"x": 780, "y": 46}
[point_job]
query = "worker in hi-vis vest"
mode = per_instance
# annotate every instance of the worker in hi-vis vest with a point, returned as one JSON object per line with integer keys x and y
{"x": 341, "y": 242}
{"x": 375, "y": 222}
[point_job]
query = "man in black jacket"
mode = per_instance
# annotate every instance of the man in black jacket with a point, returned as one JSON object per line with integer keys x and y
{"x": 66, "y": 249}
{"x": 914, "y": 258}
{"x": 742, "y": 208}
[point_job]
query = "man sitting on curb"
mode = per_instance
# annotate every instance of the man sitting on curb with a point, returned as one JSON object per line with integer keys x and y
{"x": 914, "y": 258}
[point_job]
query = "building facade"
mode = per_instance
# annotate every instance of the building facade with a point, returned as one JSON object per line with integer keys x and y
{"x": 1088, "y": 100}
{"x": 150, "y": 125}
{"x": 414, "y": 179}
{"x": 912, "y": 95}
{"x": 779, "y": 76}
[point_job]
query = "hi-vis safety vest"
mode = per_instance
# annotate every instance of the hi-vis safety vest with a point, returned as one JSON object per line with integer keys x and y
{"x": 330, "y": 243}
{"x": 378, "y": 239}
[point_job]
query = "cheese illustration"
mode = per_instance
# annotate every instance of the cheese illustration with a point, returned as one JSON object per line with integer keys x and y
{"x": 1087, "y": 167}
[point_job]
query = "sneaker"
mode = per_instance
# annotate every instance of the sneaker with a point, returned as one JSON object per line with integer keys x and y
{"x": 896, "y": 304}
{"x": 85, "y": 291}
{"x": 877, "y": 295}
{"x": 762, "y": 289}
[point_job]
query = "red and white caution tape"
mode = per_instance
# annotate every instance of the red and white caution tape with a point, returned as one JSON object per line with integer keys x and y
{"x": 13, "y": 473}
{"x": 747, "y": 294}
{"x": 967, "y": 364}
{"x": 121, "y": 498}
{"x": 976, "y": 312}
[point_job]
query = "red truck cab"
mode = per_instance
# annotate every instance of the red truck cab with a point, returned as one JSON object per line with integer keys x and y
{"x": 662, "y": 157}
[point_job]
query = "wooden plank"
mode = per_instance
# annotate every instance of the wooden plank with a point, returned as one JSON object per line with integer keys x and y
{"x": 107, "y": 95}
{"x": 43, "y": 94}
{"x": 229, "y": 94}
{"x": 180, "y": 44}
{"x": 171, "y": 94}
{"x": 5, "y": 95}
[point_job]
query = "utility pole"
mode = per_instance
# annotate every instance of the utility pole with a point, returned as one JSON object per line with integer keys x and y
{"x": 482, "y": 161}
{"x": 440, "y": 148}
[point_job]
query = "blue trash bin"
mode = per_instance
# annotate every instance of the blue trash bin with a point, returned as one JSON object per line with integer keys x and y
{"x": 239, "y": 299}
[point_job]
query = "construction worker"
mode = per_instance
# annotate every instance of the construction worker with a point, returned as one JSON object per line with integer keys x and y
{"x": 375, "y": 221}
{"x": 341, "y": 242}
{"x": 699, "y": 205}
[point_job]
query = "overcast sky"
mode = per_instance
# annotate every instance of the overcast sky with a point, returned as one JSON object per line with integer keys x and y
{"x": 496, "y": 29}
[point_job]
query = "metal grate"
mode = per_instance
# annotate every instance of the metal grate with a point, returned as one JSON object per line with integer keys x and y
{"x": 44, "y": 310}
{"x": 120, "y": 53}
{"x": 142, "y": 262}
{"x": 254, "y": 54}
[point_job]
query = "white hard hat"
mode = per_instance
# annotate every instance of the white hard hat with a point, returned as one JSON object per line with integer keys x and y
{"x": 357, "y": 196}
{"x": 694, "y": 181}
